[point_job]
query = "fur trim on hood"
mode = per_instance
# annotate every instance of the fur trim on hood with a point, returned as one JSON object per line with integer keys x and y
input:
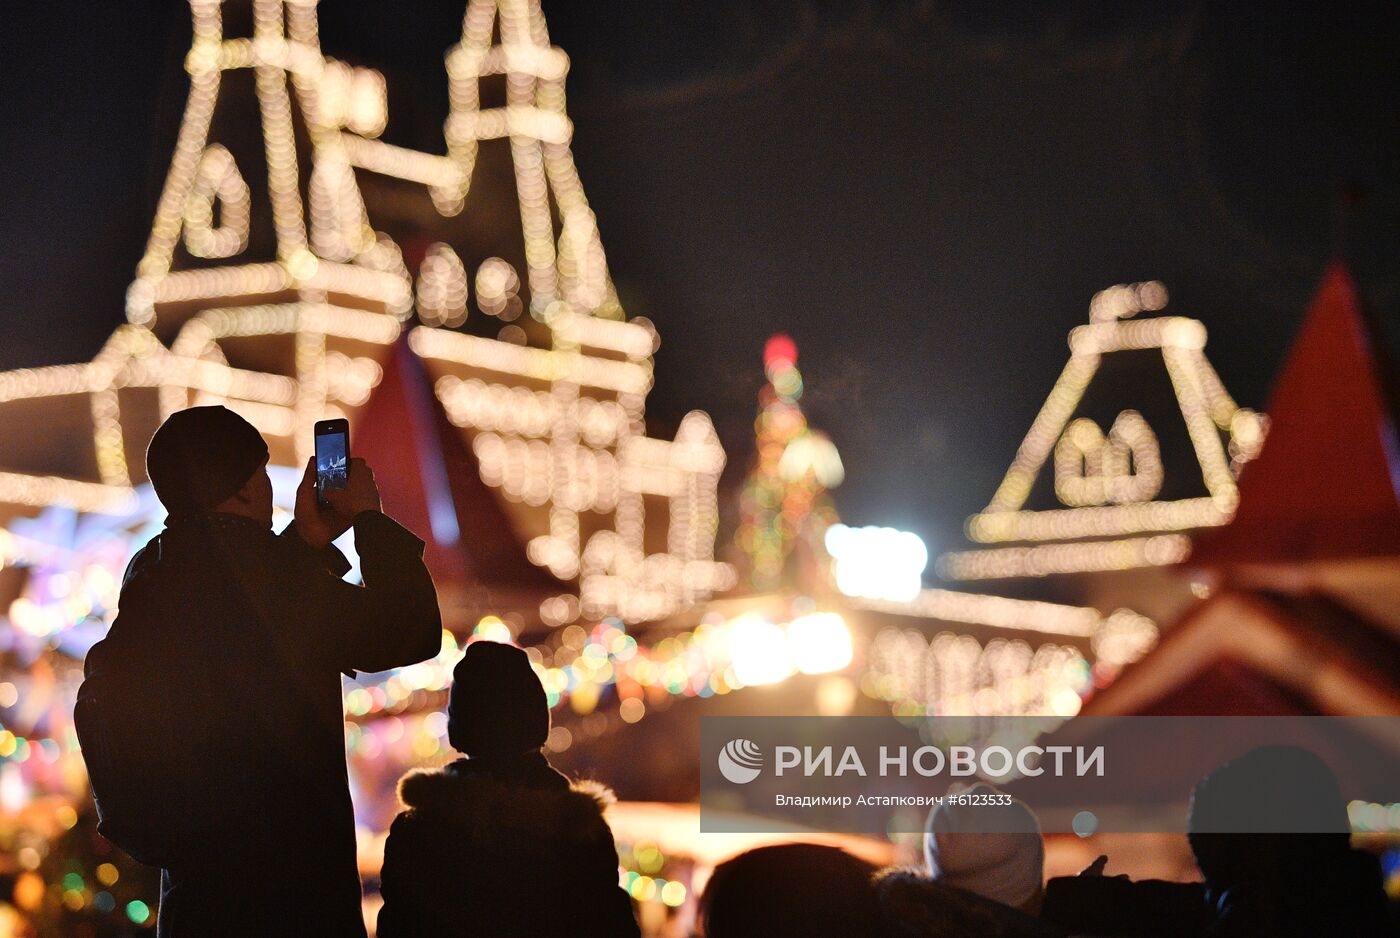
{"x": 480, "y": 801}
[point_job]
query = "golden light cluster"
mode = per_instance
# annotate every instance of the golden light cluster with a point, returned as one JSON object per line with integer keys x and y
{"x": 956, "y": 674}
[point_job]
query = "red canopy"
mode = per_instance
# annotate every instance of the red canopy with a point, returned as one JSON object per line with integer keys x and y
{"x": 1325, "y": 486}
{"x": 429, "y": 481}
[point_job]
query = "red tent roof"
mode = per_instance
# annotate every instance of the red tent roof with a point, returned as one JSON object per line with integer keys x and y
{"x": 1325, "y": 485}
{"x": 429, "y": 481}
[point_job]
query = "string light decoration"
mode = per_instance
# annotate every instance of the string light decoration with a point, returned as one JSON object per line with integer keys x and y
{"x": 560, "y": 428}
{"x": 442, "y": 288}
{"x": 334, "y": 280}
{"x": 784, "y": 498}
{"x": 217, "y": 177}
{"x": 1110, "y": 482}
{"x": 956, "y": 674}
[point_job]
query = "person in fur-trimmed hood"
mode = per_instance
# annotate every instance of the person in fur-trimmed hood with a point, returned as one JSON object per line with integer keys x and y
{"x": 499, "y": 843}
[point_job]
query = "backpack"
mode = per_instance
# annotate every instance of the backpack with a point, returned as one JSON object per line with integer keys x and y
{"x": 135, "y": 718}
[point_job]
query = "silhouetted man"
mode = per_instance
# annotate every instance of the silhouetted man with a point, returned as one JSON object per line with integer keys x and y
{"x": 246, "y": 634}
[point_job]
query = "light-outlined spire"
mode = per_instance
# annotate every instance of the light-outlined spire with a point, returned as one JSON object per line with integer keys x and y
{"x": 510, "y": 38}
{"x": 1108, "y": 484}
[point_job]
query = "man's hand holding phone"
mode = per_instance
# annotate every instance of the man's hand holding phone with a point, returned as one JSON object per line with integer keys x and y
{"x": 318, "y": 525}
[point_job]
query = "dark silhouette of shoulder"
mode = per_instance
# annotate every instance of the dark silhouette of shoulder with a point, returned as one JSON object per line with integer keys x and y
{"x": 468, "y": 853}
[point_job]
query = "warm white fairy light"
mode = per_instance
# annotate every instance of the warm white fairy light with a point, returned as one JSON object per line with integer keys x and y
{"x": 997, "y": 611}
{"x": 1123, "y": 467}
{"x": 442, "y": 287}
{"x": 217, "y": 178}
{"x": 402, "y": 163}
{"x": 42, "y": 491}
{"x": 1110, "y": 481}
{"x": 1076, "y": 557}
{"x": 1099, "y": 521}
{"x": 357, "y": 98}
{"x": 339, "y": 224}
{"x": 1127, "y": 299}
{"x": 497, "y": 289}
{"x": 552, "y": 365}
{"x": 1124, "y": 637}
{"x": 957, "y": 674}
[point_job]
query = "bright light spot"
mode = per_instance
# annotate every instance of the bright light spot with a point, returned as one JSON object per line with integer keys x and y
{"x": 138, "y": 911}
{"x": 813, "y": 453}
{"x": 877, "y": 563}
{"x": 820, "y": 642}
{"x": 1066, "y": 703}
{"x": 673, "y": 893}
{"x": 759, "y": 650}
{"x": 14, "y": 794}
{"x": 631, "y": 710}
{"x": 491, "y": 629}
{"x": 835, "y": 696}
{"x": 435, "y": 724}
{"x": 29, "y": 891}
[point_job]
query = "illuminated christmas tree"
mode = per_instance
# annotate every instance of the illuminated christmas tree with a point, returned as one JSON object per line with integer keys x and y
{"x": 784, "y": 507}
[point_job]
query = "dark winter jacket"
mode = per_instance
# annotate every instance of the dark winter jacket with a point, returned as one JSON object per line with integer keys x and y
{"x": 252, "y": 632}
{"x": 1339, "y": 896}
{"x": 1114, "y": 905}
{"x": 914, "y": 906}
{"x": 502, "y": 847}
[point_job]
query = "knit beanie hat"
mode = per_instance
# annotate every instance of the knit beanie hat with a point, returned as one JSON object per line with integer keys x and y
{"x": 201, "y": 456}
{"x": 993, "y": 850}
{"x": 497, "y": 705}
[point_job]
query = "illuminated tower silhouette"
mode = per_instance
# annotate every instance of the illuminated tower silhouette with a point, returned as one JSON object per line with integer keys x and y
{"x": 263, "y": 265}
{"x": 784, "y": 506}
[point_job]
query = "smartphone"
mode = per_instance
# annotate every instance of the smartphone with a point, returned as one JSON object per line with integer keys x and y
{"x": 332, "y": 456}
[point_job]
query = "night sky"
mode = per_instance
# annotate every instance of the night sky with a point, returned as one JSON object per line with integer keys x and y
{"x": 923, "y": 194}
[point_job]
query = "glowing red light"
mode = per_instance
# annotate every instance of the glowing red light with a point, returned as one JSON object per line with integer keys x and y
{"x": 779, "y": 348}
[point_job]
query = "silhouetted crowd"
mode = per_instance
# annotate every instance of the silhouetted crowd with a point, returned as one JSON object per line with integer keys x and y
{"x": 984, "y": 875}
{"x": 211, "y": 721}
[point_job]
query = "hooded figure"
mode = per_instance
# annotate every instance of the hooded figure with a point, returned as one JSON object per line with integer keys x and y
{"x": 234, "y": 639}
{"x": 1271, "y": 836}
{"x": 1259, "y": 881}
{"x": 499, "y": 843}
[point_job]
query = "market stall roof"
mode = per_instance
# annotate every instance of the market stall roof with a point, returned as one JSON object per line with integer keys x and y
{"x": 1251, "y": 654}
{"x": 1327, "y": 484}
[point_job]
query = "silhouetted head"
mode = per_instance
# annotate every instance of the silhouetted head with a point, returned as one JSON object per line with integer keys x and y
{"x": 1273, "y": 812}
{"x": 497, "y": 706}
{"x": 210, "y": 459}
{"x": 791, "y": 889}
